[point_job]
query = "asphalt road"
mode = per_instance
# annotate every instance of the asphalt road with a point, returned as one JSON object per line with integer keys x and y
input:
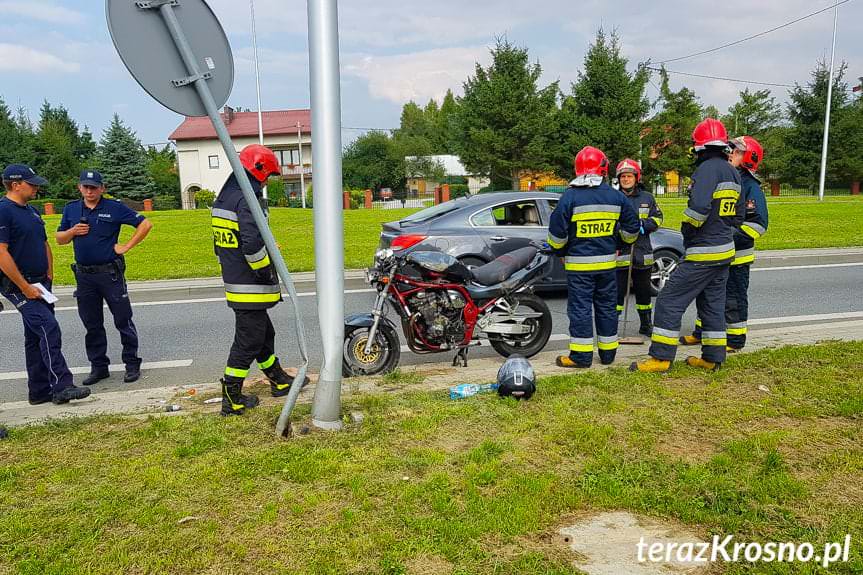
{"x": 187, "y": 332}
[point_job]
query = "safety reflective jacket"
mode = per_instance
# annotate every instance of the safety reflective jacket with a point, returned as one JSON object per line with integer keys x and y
{"x": 754, "y": 222}
{"x": 650, "y": 217}
{"x": 585, "y": 224}
{"x": 714, "y": 210}
{"x": 249, "y": 276}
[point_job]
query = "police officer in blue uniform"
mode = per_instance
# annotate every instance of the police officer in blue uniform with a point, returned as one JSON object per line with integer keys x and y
{"x": 583, "y": 227}
{"x": 714, "y": 211}
{"x": 93, "y": 225}
{"x": 25, "y": 260}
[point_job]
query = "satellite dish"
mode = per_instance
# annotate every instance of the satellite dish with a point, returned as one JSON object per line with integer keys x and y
{"x": 146, "y": 47}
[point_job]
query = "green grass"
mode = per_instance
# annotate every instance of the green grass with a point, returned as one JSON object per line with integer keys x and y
{"x": 797, "y": 222}
{"x": 429, "y": 485}
{"x": 181, "y": 243}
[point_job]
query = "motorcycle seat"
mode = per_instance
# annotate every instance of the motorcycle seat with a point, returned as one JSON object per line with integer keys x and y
{"x": 501, "y": 269}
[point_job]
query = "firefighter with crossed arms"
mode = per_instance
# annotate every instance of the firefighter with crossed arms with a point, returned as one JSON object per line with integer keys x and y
{"x": 746, "y": 156}
{"x": 251, "y": 284}
{"x": 715, "y": 208}
{"x": 583, "y": 228}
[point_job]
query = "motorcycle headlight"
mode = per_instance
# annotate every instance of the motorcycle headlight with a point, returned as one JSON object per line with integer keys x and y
{"x": 383, "y": 255}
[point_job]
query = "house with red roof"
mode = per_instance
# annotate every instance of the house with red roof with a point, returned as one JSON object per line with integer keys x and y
{"x": 202, "y": 163}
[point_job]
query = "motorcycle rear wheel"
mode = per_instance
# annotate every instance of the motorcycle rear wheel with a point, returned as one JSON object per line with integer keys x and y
{"x": 383, "y": 358}
{"x": 532, "y": 343}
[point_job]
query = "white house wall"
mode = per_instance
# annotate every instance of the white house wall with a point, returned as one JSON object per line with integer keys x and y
{"x": 195, "y": 167}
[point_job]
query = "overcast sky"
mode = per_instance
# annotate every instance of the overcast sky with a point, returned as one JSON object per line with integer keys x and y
{"x": 396, "y": 50}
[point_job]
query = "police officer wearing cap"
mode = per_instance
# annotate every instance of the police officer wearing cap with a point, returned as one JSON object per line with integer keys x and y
{"x": 93, "y": 225}
{"x": 25, "y": 260}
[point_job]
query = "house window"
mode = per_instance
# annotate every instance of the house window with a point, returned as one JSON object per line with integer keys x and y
{"x": 214, "y": 162}
{"x": 288, "y": 157}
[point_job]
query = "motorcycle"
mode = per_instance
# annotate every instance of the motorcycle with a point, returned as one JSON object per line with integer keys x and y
{"x": 443, "y": 306}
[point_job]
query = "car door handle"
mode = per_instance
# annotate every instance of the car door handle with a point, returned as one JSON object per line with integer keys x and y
{"x": 497, "y": 239}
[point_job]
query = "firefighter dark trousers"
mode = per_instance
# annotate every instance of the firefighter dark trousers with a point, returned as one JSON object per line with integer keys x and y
{"x": 93, "y": 290}
{"x": 47, "y": 372}
{"x": 704, "y": 284}
{"x": 736, "y": 307}
{"x": 641, "y": 285}
{"x": 254, "y": 340}
{"x": 592, "y": 296}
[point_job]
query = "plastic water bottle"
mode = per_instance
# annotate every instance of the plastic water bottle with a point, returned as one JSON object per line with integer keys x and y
{"x": 469, "y": 389}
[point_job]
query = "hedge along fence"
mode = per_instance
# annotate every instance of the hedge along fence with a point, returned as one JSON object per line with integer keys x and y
{"x": 59, "y": 204}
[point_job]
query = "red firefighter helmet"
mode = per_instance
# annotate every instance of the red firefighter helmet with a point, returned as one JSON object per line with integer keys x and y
{"x": 591, "y": 161}
{"x": 753, "y": 153}
{"x": 628, "y": 166}
{"x": 710, "y": 132}
{"x": 259, "y": 161}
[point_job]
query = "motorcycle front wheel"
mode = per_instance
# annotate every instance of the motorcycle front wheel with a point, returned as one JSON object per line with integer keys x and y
{"x": 531, "y": 343}
{"x": 383, "y": 357}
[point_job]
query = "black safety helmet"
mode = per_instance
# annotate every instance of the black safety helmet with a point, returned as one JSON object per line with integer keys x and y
{"x": 516, "y": 378}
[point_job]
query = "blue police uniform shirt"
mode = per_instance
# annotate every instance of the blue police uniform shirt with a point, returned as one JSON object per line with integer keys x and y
{"x": 22, "y": 228}
{"x": 97, "y": 247}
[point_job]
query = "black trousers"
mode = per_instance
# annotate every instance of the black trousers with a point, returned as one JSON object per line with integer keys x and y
{"x": 106, "y": 287}
{"x": 254, "y": 340}
{"x": 736, "y": 307}
{"x": 641, "y": 283}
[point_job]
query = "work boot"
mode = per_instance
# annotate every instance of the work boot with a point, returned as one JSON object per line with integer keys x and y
{"x": 650, "y": 365}
{"x": 690, "y": 340}
{"x": 133, "y": 374}
{"x": 68, "y": 393}
{"x": 566, "y": 361}
{"x": 646, "y": 324}
{"x": 233, "y": 400}
{"x": 280, "y": 380}
{"x": 729, "y": 349}
{"x": 96, "y": 375}
{"x": 702, "y": 364}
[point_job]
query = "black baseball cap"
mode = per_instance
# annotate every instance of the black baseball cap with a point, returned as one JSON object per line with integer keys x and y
{"x": 90, "y": 178}
{"x": 23, "y": 173}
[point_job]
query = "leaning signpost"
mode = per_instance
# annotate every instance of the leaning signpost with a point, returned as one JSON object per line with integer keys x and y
{"x": 179, "y": 53}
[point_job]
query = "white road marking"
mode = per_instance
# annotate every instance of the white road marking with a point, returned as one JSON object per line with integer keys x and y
{"x": 190, "y": 301}
{"x": 116, "y": 367}
{"x": 813, "y": 267}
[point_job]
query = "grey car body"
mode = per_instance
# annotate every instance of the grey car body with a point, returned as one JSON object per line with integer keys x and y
{"x": 476, "y": 229}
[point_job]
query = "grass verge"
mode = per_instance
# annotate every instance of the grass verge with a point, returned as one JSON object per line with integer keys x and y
{"x": 429, "y": 485}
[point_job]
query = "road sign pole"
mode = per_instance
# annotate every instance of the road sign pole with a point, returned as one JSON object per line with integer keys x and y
{"x": 826, "y": 139}
{"x": 329, "y": 225}
{"x": 200, "y": 83}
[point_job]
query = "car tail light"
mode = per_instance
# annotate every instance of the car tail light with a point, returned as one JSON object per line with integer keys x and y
{"x": 404, "y": 242}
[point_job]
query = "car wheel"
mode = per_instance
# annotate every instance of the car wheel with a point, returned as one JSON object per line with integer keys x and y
{"x": 665, "y": 262}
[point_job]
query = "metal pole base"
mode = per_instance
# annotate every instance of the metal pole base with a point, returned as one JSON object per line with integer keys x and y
{"x": 328, "y": 425}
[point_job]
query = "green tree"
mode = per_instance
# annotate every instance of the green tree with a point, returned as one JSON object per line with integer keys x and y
{"x": 25, "y": 147}
{"x": 668, "y": 134}
{"x": 606, "y": 106}
{"x": 371, "y": 161}
{"x": 753, "y": 114}
{"x": 802, "y": 154}
{"x": 9, "y": 137}
{"x": 124, "y": 162}
{"x": 443, "y": 132}
{"x": 505, "y": 122}
{"x": 56, "y": 160}
{"x": 162, "y": 171}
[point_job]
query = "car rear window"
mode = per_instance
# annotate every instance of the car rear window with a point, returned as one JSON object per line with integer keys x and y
{"x": 432, "y": 212}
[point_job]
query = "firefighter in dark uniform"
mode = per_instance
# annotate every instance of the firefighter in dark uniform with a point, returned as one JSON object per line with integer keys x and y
{"x": 25, "y": 260}
{"x": 583, "y": 228}
{"x": 714, "y": 210}
{"x": 251, "y": 284}
{"x": 746, "y": 155}
{"x": 93, "y": 225}
{"x": 639, "y": 255}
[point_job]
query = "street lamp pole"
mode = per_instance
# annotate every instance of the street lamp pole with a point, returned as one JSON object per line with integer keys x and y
{"x": 258, "y": 85}
{"x": 827, "y": 112}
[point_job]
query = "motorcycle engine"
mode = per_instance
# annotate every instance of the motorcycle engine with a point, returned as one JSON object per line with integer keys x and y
{"x": 440, "y": 314}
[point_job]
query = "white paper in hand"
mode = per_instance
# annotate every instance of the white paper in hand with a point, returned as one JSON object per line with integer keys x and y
{"x": 45, "y": 294}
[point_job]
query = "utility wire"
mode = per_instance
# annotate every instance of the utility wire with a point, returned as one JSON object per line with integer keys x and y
{"x": 755, "y": 35}
{"x": 722, "y": 78}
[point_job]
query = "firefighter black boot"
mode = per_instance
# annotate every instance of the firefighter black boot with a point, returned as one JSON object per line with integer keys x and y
{"x": 646, "y": 325}
{"x": 280, "y": 380}
{"x": 233, "y": 400}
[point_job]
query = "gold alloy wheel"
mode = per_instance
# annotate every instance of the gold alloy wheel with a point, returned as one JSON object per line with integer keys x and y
{"x": 360, "y": 354}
